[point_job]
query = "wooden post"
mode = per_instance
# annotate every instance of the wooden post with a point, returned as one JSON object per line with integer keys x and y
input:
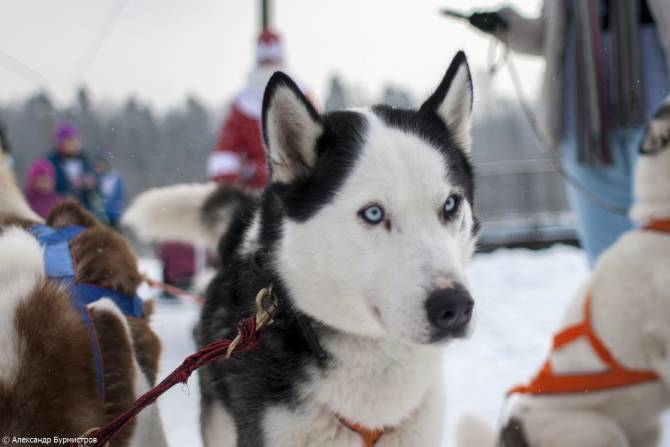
{"x": 265, "y": 14}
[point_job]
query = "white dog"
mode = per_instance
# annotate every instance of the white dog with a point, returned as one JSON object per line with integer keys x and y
{"x": 607, "y": 379}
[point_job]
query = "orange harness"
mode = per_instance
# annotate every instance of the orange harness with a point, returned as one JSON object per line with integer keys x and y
{"x": 659, "y": 225}
{"x": 368, "y": 436}
{"x": 617, "y": 375}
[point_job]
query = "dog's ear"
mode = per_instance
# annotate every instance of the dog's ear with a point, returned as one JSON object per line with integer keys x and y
{"x": 657, "y": 136}
{"x": 452, "y": 100}
{"x": 291, "y": 128}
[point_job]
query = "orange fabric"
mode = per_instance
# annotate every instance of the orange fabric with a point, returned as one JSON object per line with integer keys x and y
{"x": 568, "y": 335}
{"x": 546, "y": 382}
{"x": 659, "y": 225}
{"x": 368, "y": 436}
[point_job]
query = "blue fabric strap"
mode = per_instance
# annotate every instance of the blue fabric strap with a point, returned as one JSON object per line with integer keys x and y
{"x": 87, "y": 293}
{"x": 57, "y": 256}
{"x": 95, "y": 344}
{"x": 41, "y": 230}
{"x": 59, "y": 266}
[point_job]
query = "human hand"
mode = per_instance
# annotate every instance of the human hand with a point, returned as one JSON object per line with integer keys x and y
{"x": 489, "y": 22}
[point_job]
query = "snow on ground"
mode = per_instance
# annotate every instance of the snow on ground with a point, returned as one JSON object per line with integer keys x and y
{"x": 520, "y": 296}
{"x": 180, "y": 406}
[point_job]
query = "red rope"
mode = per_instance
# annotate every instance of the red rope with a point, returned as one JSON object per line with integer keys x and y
{"x": 173, "y": 290}
{"x": 248, "y": 340}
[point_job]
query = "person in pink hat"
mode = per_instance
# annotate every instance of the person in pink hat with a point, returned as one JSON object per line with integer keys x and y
{"x": 239, "y": 156}
{"x": 41, "y": 187}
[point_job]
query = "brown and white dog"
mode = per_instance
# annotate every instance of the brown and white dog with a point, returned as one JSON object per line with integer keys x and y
{"x": 49, "y": 382}
{"x": 607, "y": 380}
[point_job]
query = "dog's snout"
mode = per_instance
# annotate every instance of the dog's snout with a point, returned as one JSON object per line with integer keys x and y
{"x": 450, "y": 310}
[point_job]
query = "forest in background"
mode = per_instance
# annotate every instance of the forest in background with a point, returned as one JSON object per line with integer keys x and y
{"x": 150, "y": 148}
{"x": 516, "y": 182}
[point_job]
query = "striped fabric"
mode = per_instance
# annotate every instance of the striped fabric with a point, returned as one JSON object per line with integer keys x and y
{"x": 603, "y": 106}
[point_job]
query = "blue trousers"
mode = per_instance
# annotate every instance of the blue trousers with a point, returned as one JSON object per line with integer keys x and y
{"x": 598, "y": 227}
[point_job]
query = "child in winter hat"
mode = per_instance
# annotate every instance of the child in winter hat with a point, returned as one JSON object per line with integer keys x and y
{"x": 40, "y": 187}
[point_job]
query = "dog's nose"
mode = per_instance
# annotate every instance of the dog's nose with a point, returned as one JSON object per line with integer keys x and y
{"x": 450, "y": 310}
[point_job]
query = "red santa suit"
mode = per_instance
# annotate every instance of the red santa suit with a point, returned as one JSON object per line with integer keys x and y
{"x": 239, "y": 156}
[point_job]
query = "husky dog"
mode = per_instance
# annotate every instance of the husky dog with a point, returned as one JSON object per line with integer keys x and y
{"x": 65, "y": 367}
{"x": 627, "y": 350}
{"x": 363, "y": 234}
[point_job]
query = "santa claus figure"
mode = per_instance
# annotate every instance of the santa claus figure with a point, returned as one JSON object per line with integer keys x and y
{"x": 239, "y": 156}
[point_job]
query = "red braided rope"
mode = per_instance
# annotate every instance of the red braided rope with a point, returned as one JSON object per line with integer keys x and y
{"x": 249, "y": 338}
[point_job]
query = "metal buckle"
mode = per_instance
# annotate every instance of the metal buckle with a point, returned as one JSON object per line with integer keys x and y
{"x": 266, "y": 309}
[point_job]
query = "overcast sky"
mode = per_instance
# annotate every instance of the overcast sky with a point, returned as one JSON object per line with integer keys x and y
{"x": 161, "y": 50}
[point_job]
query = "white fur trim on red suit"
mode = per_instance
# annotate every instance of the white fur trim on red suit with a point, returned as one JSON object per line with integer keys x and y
{"x": 269, "y": 52}
{"x": 223, "y": 163}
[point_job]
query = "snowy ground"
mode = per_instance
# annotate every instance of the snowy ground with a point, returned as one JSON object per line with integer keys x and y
{"x": 520, "y": 296}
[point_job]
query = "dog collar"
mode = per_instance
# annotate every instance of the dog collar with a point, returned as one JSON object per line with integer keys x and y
{"x": 368, "y": 436}
{"x": 304, "y": 323}
{"x": 661, "y": 225}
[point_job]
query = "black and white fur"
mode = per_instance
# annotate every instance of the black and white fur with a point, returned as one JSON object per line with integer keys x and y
{"x": 364, "y": 233}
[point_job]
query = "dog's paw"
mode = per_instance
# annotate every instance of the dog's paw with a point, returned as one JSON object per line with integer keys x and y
{"x": 472, "y": 431}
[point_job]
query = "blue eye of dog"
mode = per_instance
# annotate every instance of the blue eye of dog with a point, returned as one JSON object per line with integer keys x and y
{"x": 372, "y": 214}
{"x": 451, "y": 205}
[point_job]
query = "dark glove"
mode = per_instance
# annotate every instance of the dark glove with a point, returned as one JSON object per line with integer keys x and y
{"x": 4, "y": 141}
{"x": 489, "y": 22}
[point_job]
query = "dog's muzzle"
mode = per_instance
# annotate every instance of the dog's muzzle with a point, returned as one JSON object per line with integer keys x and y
{"x": 449, "y": 312}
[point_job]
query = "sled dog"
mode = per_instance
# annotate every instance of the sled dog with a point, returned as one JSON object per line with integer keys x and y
{"x": 75, "y": 344}
{"x": 363, "y": 235}
{"x": 607, "y": 378}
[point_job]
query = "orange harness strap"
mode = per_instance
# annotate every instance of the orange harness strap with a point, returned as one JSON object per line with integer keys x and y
{"x": 659, "y": 225}
{"x": 368, "y": 436}
{"x": 546, "y": 382}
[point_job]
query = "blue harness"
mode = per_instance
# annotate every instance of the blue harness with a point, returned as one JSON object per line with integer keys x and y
{"x": 59, "y": 267}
